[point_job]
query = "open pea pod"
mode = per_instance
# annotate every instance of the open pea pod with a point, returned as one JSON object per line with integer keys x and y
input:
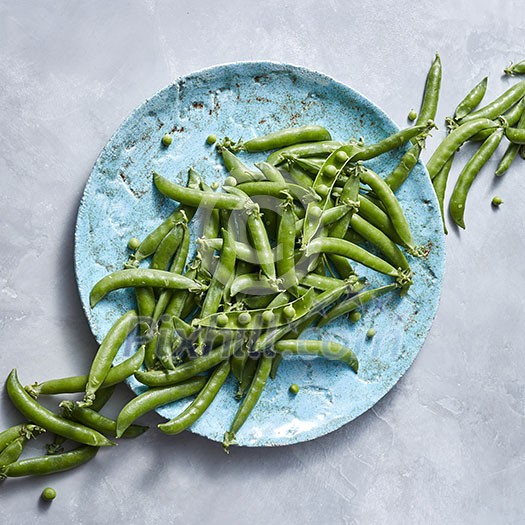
{"x": 261, "y": 318}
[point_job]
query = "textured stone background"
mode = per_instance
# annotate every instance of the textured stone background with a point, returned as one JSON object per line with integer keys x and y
{"x": 446, "y": 445}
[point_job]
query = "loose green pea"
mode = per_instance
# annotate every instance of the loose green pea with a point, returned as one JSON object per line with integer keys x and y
{"x": 294, "y": 389}
{"x": 211, "y": 139}
{"x": 133, "y": 243}
{"x": 230, "y": 181}
{"x": 268, "y": 316}
{"x": 354, "y": 316}
{"x": 289, "y": 312}
{"x": 49, "y": 494}
{"x": 215, "y": 185}
{"x": 244, "y": 318}
{"x": 497, "y": 201}
{"x": 167, "y": 140}
{"x": 412, "y": 115}
{"x": 222, "y": 320}
{"x": 370, "y": 333}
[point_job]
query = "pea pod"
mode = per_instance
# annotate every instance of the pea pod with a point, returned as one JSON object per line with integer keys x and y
{"x": 44, "y": 465}
{"x": 431, "y": 95}
{"x": 515, "y": 135}
{"x": 308, "y": 149}
{"x": 140, "y": 277}
{"x": 455, "y": 140}
{"x": 440, "y": 185}
{"x": 237, "y": 169}
{"x": 286, "y": 241}
{"x": 158, "y": 378}
{"x": 499, "y": 105}
{"x": 401, "y": 172}
{"x": 253, "y": 284}
{"x": 324, "y": 283}
{"x": 43, "y": 417}
{"x": 107, "y": 352}
{"x": 153, "y": 398}
{"x": 27, "y": 430}
{"x": 13, "y": 451}
{"x": 169, "y": 245}
{"x": 512, "y": 150}
{"x": 270, "y": 172}
{"x": 351, "y": 304}
{"x": 197, "y": 198}
{"x": 261, "y": 318}
{"x": 468, "y": 174}
{"x": 326, "y": 349}
{"x": 250, "y": 400}
{"x": 515, "y": 69}
{"x": 200, "y": 404}
{"x": 472, "y": 100}
{"x": 277, "y": 190}
{"x": 74, "y": 384}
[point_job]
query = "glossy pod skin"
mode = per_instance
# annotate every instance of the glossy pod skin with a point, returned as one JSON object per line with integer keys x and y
{"x": 472, "y": 100}
{"x": 51, "y": 464}
{"x": 250, "y": 400}
{"x": 154, "y": 398}
{"x": 468, "y": 174}
{"x": 237, "y": 169}
{"x": 168, "y": 246}
{"x": 511, "y": 152}
{"x": 440, "y": 186}
{"x": 106, "y": 353}
{"x": 308, "y": 149}
{"x": 351, "y": 304}
{"x": 43, "y": 417}
{"x": 400, "y": 174}
{"x": 13, "y": 451}
{"x": 76, "y": 384}
{"x": 515, "y": 69}
{"x": 326, "y": 349}
{"x": 499, "y": 105}
{"x": 27, "y": 430}
{"x": 431, "y": 94}
{"x": 140, "y": 277}
{"x": 277, "y": 190}
{"x": 285, "y": 264}
{"x": 454, "y": 141}
{"x": 199, "y": 405}
{"x": 197, "y": 198}
{"x": 160, "y": 378}
{"x": 515, "y": 135}
{"x": 97, "y": 421}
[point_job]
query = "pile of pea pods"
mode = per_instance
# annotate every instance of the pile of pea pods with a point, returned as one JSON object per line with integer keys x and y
{"x": 275, "y": 255}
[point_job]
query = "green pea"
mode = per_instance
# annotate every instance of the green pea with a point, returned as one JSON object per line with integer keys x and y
{"x": 370, "y": 333}
{"x": 341, "y": 156}
{"x": 289, "y": 312}
{"x": 133, "y": 243}
{"x": 497, "y": 201}
{"x": 211, "y": 139}
{"x": 268, "y": 316}
{"x": 230, "y": 181}
{"x": 354, "y": 316}
{"x": 330, "y": 171}
{"x": 244, "y": 318}
{"x": 412, "y": 115}
{"x": 215, "y": 185}
{"x": 222, "y": 320}
{"x": 294, "y": 389}
{"x": 49, "y": 494}
{"x": 322, "y": 190}
{"x": 167, "y": 140}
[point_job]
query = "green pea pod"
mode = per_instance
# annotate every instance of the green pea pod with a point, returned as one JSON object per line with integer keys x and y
{"x": 440, "y": 185}
{"x": 13, "y": 451}
{"x": 286, "y": 241}
{"x": 401, "y": 172}
{"x": 308, "y": 149}
{"x": 270, "y": 172}
{"x": 43, "y": 417}
{"x": 44, "y": 465}
{"x": 515, "y": 69}
{"x": 326, "y": 349}
{"x": 248, "y": 373}
{"x": 431, "y": 94}
{"x": 237, "y": 169}
{"x": 253, "y": 284}
{"x": 106, "y": 354}
{"x": 472, "y": 100}
{"x": 153, "y": 398}
{"x": 141, "y": 277}
{"x": 468, "y": 174}
{"x": 515, "y": 135}
{"x": 26, "y": 430}
{"x": 169, "y": 245}
{"x": 262, "y": 318}
{"x": 200, "y": 404}
{"x": 277, "y": 190}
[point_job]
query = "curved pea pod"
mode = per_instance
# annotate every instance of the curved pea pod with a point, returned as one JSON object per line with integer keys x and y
{"x": 286, "y": 241}
{"x": 270, "y": 172}
{"x": 471, "y": 100}
{"x": 455, "y": 140}
{"x": 499, "y": 105}
{"x": 278, "y": 190}
{"x": 44, "y": 465}
{"x": 13, "y": 451}
{"x": 515, "y": 69}
{"x": 351, "y": 304}
{"x": 260, "y": 318}
{"x": 398, "y": 176}
{"x": 308, "y": 149}
{"x": 312, "y": 165}
{"x": 515, "y": 135}
{"x": 254, "y": 284}
{"x": 26, "y": 430}
{"x": 285, "y": 137}
{"x": 431, "y": 94}
{"x": 440, "y": 186}
{"x": 237, "y": 169}
{"x": 467, "y": 176}
{"x": 140, "y": 277}
{"x": 326, "y": 349}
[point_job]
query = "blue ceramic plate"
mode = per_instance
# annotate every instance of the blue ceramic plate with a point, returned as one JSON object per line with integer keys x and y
{"x": 245, "y": 100}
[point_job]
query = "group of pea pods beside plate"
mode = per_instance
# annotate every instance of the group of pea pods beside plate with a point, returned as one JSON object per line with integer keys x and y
{"x": 278, "y": 253}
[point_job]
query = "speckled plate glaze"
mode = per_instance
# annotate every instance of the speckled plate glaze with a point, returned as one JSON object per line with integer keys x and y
{"x": 245, "y": 100}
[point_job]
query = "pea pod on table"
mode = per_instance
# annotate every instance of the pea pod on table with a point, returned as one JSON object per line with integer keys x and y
{"x": 472, "y": 100}
{"x": 515, "y": 69}
{"x": 431, "y": 94}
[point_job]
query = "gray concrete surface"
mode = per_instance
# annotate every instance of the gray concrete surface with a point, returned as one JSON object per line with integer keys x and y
{"x": 446, "y": 445}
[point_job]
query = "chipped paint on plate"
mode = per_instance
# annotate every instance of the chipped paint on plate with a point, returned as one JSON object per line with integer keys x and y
{"x": 244, "y": 100}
